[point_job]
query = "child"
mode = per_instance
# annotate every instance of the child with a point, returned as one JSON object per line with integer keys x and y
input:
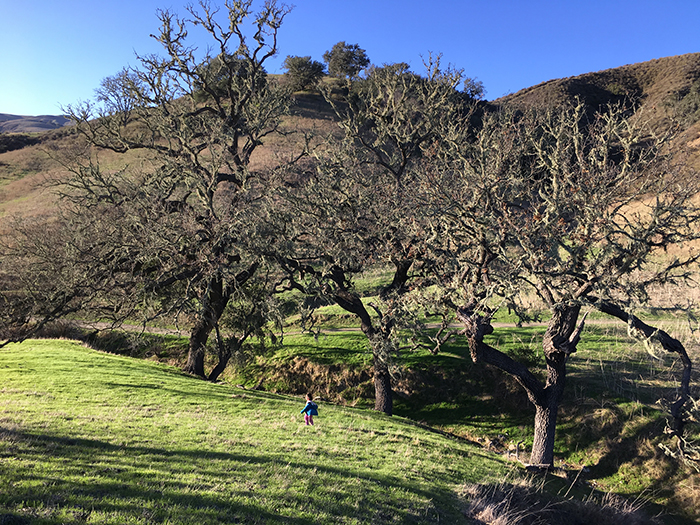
{"x": 310, "y": 410}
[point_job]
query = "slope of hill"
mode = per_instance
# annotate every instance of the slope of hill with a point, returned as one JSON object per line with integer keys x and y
{"x": 151, "y": 444}
{"x": 89, "y": 437}
{"x": 110, "y": 439}
{"x": 654, "y": 82}
{"x": 37, "y": 124}
{"x": 659, "y": 86}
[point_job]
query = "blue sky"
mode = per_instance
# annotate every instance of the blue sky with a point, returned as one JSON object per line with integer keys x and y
{"x": 56, "y": 52}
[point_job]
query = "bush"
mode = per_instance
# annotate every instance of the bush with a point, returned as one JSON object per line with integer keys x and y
{"x": 302, "y": 72}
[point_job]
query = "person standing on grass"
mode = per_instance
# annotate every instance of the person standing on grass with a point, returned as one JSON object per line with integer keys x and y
{"x": 310, "y": 410}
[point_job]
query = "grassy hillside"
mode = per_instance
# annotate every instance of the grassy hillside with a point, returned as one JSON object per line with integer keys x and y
{"x": 664, "y": 87}
{"x": 89, "y": 437}
{"x": 654, "y": 81}
{"x": 24, "y": 124}
{"x": 611, "y": 425}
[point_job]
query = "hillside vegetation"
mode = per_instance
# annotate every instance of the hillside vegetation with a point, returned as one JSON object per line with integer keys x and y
{"x": 668, "y": 86}
{"x": 665, "y": 87}
{"x": 25, "y": 124}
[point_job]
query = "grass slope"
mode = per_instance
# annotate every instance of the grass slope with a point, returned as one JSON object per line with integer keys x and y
{"x": 610, "y": 425}
{"x": 88, "y": 437}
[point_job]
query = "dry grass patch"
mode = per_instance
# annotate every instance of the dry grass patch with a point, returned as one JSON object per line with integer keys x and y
{"x": 527, "y": 504}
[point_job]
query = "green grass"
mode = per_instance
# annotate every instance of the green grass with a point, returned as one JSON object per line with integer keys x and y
{"x": 88, "y": 437}
{"x": 609, "y": 421}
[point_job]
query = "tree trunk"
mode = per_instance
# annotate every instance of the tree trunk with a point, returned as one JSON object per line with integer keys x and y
{"x": 220, "y": 367}
{"x": 545, "y": 429}
{"x": 559, "y": 342}
{"x": 225, "y": 353}
{"x": 383, "y": 395}
{"x": 546, "y": 410}
{"x": 198, "y": 340}
{"x": 213, "y": 306}
{"x": 382, "y": 378}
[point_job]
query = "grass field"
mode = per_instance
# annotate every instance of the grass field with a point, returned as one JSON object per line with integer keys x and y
{"x": 88, "y": 437}
{"x": 610, "y": 427}
{"x": 91, "y": 437}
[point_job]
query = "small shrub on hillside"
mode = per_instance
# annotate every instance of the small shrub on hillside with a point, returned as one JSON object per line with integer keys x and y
{"x": 302, "y": 72}
{"x": 686, "y": 105}
{"x": 14, "y": 141}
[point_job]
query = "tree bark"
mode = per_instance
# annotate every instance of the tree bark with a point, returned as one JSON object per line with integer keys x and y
{"x": 559, "y": 343}
{"x": 195, "y": 355}
{"x": 545, "y": 430}
{"x": 225, "y": 353}
{"x": 383, "y": 394}
{"x": 213, "y": 307}
{"x": 547, "y": 407}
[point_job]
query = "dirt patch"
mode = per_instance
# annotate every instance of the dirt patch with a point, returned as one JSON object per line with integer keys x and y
{"x": 336, "y": 383}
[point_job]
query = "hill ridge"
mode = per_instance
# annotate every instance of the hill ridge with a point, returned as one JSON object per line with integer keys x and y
{"x": 10, "y": 123}
{"x": 653, "y": 79}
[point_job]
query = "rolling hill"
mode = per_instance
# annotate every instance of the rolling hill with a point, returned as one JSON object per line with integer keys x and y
{"x": 90, "y": 437}
{"x": 654, "y": 82}
{"x": 239, "y": 472}
{"x": 26, "y": 124}
{"x": 665, "y": 88}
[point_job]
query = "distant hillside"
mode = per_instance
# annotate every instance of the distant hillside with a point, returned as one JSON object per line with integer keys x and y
{"x": 654, "y": 82}
{"x": 665, "y": 87}
{"x": 23, "y": 124}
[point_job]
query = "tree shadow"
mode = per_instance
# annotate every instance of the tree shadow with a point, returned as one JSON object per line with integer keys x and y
{"x": 136, "y": 481}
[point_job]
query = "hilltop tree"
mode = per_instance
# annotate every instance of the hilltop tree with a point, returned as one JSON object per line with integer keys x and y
{"x": 573, "y": 207}
{"x": 214, "y": 74}
{"x": 302, "y": 72}
{"x": 177, "y": 230}
{"x": 346, "y": 60}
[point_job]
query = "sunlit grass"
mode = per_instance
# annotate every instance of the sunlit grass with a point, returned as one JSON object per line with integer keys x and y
{"x": 610, "y": 422}
{"x": 87, "y": 437}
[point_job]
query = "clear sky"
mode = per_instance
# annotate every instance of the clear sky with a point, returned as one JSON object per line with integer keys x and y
{"x": 56, "y": 52}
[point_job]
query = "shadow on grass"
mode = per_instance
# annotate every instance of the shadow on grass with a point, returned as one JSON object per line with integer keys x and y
{"x": 142, "y": 484}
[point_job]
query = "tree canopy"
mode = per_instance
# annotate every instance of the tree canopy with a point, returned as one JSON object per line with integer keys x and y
{"x": 346, "y": 60}
{"x": 358, "y": 207}
{"x": 178, "y": 234}
{"x": 573, "y": 206}
{"x": 302, "y": 72}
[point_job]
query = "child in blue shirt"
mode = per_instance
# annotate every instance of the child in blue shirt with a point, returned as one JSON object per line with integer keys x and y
{"x": 310, "y": 410}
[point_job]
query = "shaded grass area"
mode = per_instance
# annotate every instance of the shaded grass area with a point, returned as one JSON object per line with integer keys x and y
{"x": 87, "y": 437}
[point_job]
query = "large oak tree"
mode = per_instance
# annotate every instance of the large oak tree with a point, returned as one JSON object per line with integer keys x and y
{"x": 356, "y": 209}
{"x": 573, "y": 206}
{"x": 175, "y": 229}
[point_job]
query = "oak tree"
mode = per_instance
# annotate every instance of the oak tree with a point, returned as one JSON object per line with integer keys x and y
{"x": 346, "y": 60}
{"x": 574, "y": 206}
{"x": 302, "y": 72}
{"x": 174, "y": 228}
{"x": 356, "y": 208}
